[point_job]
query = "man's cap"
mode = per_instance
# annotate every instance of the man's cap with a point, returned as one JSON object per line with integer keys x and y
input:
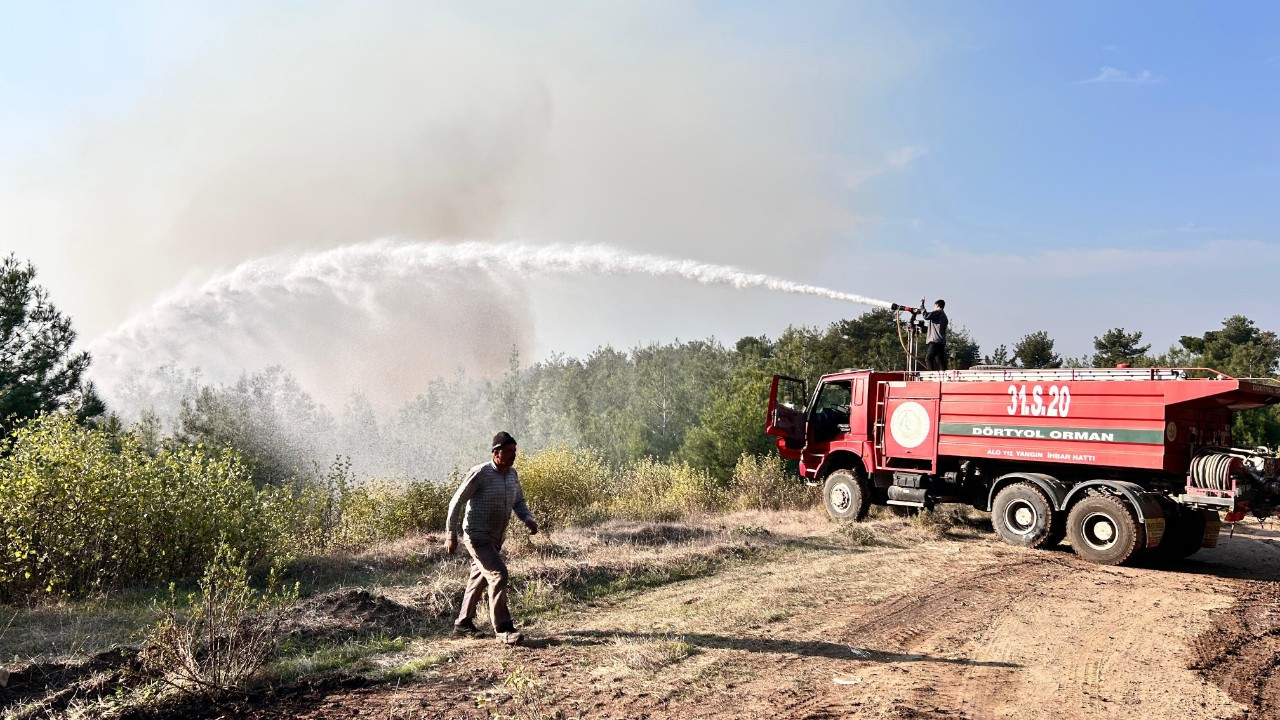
{"x": 503, "y": 438}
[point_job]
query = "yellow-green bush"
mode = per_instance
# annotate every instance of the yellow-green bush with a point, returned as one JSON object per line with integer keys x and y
{"x": 761, "y": 482}
{"x": 344, "y": 512}
{"x": 564, "y": 486}
{"x": 658, "y": 491}
{"x": 386, "y": 509}
{"x": 85, "y": 509}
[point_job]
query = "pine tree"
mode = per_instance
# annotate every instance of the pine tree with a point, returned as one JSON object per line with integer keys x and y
{"x": 1036, "y": 351}
{"x": 38, "y": 371}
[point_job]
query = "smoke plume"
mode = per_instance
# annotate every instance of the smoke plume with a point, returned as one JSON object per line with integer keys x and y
{"x": 335, "y": 123}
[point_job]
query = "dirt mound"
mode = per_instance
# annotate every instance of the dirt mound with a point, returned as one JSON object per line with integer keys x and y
{"x": 39, "y": 688}
{"x": 1241, "y": 652}
{"x": 349, "y": 612}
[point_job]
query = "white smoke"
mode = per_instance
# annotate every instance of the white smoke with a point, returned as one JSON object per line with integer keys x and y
{"x": 382, "y": 318}
{"x": 314, "y": 126}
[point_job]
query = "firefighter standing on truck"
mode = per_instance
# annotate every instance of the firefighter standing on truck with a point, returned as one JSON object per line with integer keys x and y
{"x": 936, "y": 340}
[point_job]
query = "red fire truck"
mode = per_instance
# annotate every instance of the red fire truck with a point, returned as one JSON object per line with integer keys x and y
{"x": 1119, "y": 461}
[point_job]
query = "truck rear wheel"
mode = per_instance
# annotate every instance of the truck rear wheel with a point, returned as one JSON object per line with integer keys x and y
{"x": 1103, "y": 529}
{"x": 1023, "y": 516}
{"x": 845, "y": 495}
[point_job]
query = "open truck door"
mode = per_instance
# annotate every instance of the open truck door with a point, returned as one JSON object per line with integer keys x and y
{"x": 786, "y": 415}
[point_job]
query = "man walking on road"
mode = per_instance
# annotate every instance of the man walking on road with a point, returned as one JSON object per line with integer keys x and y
{"x": 482, "y": 508}
{"x": 936, "y": 340}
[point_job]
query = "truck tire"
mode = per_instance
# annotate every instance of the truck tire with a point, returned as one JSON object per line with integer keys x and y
{"x": 1183, "y": 534}
{"x": 845, "y": 495}
{"x": 1023, "y": 516}
{"x": 1103, "y": 529}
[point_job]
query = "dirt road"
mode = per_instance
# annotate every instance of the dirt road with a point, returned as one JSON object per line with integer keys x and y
{"x": 911, "y": 626}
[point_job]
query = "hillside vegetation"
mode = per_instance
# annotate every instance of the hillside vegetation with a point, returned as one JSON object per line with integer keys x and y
{"x": 88, "y": 510}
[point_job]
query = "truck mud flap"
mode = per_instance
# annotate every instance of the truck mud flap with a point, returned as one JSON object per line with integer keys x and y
{"x": 1155, "y": 531}
{"x": 1212, "y": 528}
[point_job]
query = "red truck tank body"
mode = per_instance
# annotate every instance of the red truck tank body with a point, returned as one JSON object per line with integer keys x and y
{"x": 1131, "y": 419}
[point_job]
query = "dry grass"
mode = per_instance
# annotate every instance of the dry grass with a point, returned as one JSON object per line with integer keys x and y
{"x": 522, "y": 695}
{"x": 951, "y": 521}
{"x": 58, "y": 630}
{"x": 857, "y": 534}
{"x": 419, "y": 662}
{"x": 649, "y": 654}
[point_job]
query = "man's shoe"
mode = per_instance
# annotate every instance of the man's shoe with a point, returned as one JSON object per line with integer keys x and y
{"x": 511, "y": 638}
{"x": 465, "y": 627}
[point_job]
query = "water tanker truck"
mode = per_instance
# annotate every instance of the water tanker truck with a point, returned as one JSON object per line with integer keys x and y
{"x": 1119, "y": 461}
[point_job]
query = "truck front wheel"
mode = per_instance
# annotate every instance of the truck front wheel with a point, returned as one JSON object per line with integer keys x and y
{"x": 1103, "y": 529}
{"x": 845, "y": 495}
{"x": 1024, "y": 516}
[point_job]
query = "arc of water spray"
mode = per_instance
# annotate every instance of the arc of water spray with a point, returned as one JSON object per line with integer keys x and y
{"x": 345, "y": 269}
{"x": 610, "y": 260}
{"x": 598, "y": 259}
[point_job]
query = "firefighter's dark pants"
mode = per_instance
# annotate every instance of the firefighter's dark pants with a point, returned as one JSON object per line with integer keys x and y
{"x": 936, "y": 356}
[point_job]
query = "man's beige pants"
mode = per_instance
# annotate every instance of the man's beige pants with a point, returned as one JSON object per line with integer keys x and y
{"x": 488, "y": 569}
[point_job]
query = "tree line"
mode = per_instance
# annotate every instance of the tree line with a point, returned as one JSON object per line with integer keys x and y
{"x": 701, "y": 402}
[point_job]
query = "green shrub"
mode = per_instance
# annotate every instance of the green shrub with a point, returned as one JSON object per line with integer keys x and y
{"x": 761, "y": 482}
{"x": 657, "y": 491}
{"x": 386, "y": 509}
{"x": 87, "y": 509}
{"x": 564, "y": 486}
{"x": 351, "y": 514}
{"x": 419, "y": 505}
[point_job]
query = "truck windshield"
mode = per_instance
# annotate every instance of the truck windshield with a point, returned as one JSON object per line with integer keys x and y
{"x": 833, "y": 395}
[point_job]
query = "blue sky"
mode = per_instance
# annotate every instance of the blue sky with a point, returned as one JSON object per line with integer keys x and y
{"x": 1117, "y": 159}
{"x": 1180, "y": 133}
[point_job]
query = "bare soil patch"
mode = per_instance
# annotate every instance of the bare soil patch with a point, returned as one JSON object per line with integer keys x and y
{"x": 350, "y": 611}
{"x": 1240, "y": 652}
{"x": 36, "y": 689}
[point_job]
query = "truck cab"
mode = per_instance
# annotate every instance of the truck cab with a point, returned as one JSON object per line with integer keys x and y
{"x": 830, "y": 427}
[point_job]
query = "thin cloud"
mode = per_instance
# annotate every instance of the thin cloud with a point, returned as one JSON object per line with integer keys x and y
{"x": 1114, "y": 75}
{"x": 1184, "y": 230}
{"x": 904, "y": 156}
{"x": 895, "y": 160}
{"x": 1273, "y": 60}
